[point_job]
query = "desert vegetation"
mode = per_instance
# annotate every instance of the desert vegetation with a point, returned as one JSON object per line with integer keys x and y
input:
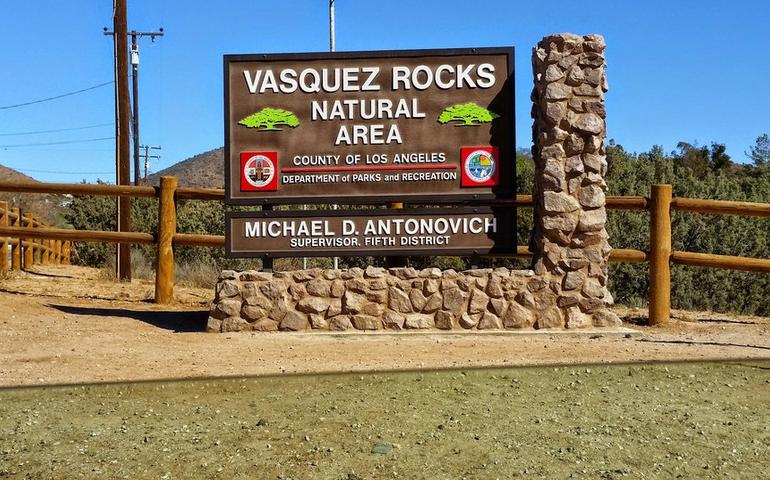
{"x": 694, "y": 171}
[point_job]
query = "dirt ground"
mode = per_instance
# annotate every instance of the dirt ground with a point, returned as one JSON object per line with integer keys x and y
{"x": 62, "y": 325}
{"x": 661, "y": 421}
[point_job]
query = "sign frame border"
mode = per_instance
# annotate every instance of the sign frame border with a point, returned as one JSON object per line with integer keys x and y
{"x": 509, "y": 51}
{"x": 444, "y": 251}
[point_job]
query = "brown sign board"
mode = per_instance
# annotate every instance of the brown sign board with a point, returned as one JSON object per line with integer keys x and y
{"x": 444, "y": 231}
{"x": 369, "y": 127}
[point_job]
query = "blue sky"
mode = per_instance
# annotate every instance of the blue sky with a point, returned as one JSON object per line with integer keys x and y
{"x": 691, "y": 71}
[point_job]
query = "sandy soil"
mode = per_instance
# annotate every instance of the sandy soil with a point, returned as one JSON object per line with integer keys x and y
{"x": 70, "y": 325}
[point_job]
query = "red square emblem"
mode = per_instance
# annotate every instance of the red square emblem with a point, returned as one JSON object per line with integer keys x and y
{"x": 259, "y": 171}
{"x": 480, "y": 166}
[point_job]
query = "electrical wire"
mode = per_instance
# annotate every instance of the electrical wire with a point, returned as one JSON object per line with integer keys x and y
{"x": 26, "y": 170}
{"x": 56, "y": 130}
{"x": 6, "y": 107}
{"x": 57, "y": 143}
{"x": 58, "y": 150}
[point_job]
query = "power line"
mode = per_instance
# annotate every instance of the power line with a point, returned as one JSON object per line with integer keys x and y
{"x": 58, "y": 150}
{"x": 59, "y": 173}
{"x": 57, "y": 143}
{"x": 5, "y": 107}
{"x": 56, "y": 130}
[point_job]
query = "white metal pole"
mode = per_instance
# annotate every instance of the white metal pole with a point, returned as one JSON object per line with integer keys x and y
{"x": 333, "y": 47}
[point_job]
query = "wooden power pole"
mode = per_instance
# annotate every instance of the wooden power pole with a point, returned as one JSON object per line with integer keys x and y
{"x": 122, "y": 138}
{"x": 123, "y": 122}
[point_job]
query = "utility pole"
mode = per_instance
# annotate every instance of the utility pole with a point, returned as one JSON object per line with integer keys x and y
{"x": 135, "y": 98}
{"x": 135, "y": 92}
{"x": 333, "y": 48}
{"x": 123, "y": 168}
{"x": 147, "y": 158}
{"x": 119, "y": 35}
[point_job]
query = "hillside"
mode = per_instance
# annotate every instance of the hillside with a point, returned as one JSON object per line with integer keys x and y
{"x": 9, "y": 174}
{"x": 44, "y": 205}
{"x": 202, "y": 170}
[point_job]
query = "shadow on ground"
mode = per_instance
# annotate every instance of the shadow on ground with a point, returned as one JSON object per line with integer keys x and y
{"x": 643, "y": 320}
{"x": 179, "y": 322}
{"x": 635, "y": 320}
{"x": 696, "y": 342}
{"x": 722, "y": 320}
{"x": 48, "y": 275}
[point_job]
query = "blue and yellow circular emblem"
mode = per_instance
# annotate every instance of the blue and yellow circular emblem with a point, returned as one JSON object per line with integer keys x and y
{"x": 480, "y": 166}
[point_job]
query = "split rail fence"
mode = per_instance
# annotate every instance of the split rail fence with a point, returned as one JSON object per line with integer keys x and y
{"x": 660, "y": 257}
{"x": 20, "y": 253}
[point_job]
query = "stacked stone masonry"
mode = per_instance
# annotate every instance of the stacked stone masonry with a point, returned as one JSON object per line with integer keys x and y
{"x": 394, "y": 299}
{"x": 567, "y": 286}
{"x": 569, "y": 241}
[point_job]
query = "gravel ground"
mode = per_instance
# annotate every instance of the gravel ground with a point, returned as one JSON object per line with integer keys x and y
{"x": 692, "y": 420}
{"x": 447, "y": 414}
{"x": 64, "y": 325}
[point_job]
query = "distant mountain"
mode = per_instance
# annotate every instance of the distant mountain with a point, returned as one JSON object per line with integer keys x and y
{"x": 204, "y": 170}
{"x": 9, "y": 174}
{"x": 47, "y": 206}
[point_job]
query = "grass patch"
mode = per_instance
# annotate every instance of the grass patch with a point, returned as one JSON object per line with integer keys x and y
{"x": 706, "y": 420}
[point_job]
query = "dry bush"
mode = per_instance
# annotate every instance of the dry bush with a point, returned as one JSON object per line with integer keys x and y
{"x": 200, "y": 275}
{"x": 141, "y": 266}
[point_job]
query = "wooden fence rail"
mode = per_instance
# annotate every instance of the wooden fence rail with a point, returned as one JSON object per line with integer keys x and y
{"x": 54, "y": 245}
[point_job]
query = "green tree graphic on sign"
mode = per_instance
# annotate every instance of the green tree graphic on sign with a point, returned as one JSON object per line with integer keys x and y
{"x": 269, "y": 119}
{"x": 468, "y": 114}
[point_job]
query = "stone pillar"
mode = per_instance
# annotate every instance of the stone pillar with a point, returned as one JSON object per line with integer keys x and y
{"x": 570, "y": 239}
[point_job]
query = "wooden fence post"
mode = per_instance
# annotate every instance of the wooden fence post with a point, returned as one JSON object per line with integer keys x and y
{"x": 660, "y": 254}
{"x": 45, "y": 252}
{"x": 37, "y": 250}
{"x": 36, "y": 242}
{"x": 391, "y": 262}
{"x": 57, "y": 252}
{"x": 29, "y": 251}
{"x": 4, "y": 241}
{"x": 33, "y": 251}
{"x": 41, "y": 250}
{"x": 164, "y": 271}
{"x": 16, "y": 249}
{"x": 66, "y": 252}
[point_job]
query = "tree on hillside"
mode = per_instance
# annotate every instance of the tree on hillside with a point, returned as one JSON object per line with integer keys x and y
{"x": 760, "y": 152}
{"x": 692, "y": 157}
{"x": 718, "y": 157}
{"x": 467, "y": 114}
{"x": 269, "y": 118}
{"x": 702, "y": 160}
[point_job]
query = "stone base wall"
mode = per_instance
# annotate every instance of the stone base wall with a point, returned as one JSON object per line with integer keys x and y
{"x": 395, "y": 299}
